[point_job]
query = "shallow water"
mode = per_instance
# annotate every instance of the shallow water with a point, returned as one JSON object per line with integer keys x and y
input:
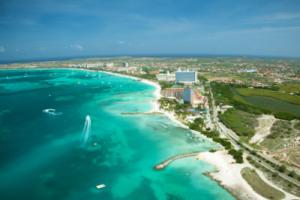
{"x": 42, "y": 156}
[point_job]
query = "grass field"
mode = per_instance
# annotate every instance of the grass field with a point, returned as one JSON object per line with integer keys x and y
{"x": 269, "y": 93}
{"x": 260, "y": 186}
{"x": 290, "y": 88}
{"x": 259, "y": 101}
{"x": 243, "y": 123}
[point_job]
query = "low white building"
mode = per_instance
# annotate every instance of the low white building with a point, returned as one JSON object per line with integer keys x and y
{"x": 109, "y": 64}
{"x": 166, "y": 77}
{"x": 98, "y": 64}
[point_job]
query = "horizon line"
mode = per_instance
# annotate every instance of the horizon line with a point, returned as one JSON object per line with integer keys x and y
{"x": 179, "y": 55}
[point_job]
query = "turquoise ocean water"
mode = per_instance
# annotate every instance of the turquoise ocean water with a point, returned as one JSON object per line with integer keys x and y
{"x": 42, "y": 155}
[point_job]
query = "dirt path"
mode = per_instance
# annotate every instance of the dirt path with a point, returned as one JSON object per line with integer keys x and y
{"x": 263, "y": 129}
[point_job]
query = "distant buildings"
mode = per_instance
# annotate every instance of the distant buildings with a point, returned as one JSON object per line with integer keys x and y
{"x": 109, "y": 65}
{"x": 91, "y": 65}
{"x": 186, "y": 77}
{"x": 153, "y": 72}
{"x": 126, "y": 64}
{"x": 166, "y": 77}
{"x": 248, "y": 70}
{"x": 87, "y": 65}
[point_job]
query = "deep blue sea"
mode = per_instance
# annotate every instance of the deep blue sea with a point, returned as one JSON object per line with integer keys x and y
{"x": 43, "y": 120}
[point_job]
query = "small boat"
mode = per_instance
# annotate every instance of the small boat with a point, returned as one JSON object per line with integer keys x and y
{"x": 100, "y": 186}
{"x": 51, "y": 111}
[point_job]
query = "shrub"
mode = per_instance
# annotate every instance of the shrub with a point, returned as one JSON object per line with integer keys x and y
{"x": 282, "y": 168}
{"x": 237, "y": 155}
{"x": 292, "y": 174}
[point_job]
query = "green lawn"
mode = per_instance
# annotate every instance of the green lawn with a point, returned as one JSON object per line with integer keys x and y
{"x": 243, "y": 123}
{"x": 260, "y": 186}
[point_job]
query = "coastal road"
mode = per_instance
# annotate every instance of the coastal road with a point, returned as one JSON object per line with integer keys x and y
{"x": 247, "y": 150}
{"x": 259, "y": 157}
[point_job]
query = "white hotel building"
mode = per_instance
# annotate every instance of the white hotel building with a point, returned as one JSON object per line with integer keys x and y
{"x": 186, "y": 77}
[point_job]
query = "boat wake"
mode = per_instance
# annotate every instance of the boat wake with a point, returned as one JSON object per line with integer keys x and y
{"x": 86, "y": 130}
{"x": 52, "y": 111}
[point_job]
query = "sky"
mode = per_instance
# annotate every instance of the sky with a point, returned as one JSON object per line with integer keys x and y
{"x": 35, "y": 29}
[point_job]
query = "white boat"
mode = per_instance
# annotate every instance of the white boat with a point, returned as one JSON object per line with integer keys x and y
{"x": 51, "y": 111}
{"x": 100, "y": 186}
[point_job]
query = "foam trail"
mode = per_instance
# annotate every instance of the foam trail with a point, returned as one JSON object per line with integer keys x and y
{"x": 86, "y": 130}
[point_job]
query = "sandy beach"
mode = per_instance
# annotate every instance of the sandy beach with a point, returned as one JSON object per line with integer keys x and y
{"x": 228, "y": 174}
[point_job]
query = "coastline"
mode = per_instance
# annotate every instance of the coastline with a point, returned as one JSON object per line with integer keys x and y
{"x": 155, "y": 104}
{"x": 227, "y": 172}
{"x": 226, "y": 169}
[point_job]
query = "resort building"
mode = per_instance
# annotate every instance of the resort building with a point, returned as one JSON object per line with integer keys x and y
{"x": 186, "y": 77}
{"x": 188, "y": 95}
{"x": 193, "y": 97}
{"x": 176, "y": 93}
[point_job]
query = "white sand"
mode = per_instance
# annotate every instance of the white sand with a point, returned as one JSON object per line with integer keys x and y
{"x": 228, "y": 173}
{"x": 155, "y": 104}
{"x": 263, "y": 129}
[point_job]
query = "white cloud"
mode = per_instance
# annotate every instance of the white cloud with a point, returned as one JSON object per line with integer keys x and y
{"x": 2, "y": 49}
{"x": 77, "y": 47}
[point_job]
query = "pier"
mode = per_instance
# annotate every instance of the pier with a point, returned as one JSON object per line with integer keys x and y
{"x": 166, "y": 162}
